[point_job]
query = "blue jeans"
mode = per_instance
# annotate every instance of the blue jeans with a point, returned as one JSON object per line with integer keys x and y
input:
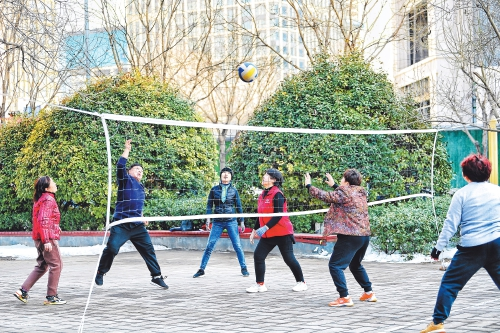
{"x": 215, "y": 233}
{"x": 349, "y": 251}
{"x": 139, "y": 236}
{"x": 465, "y": 263}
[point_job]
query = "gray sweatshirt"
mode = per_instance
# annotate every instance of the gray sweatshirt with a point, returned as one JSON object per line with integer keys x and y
{"x": 476, "y": 209}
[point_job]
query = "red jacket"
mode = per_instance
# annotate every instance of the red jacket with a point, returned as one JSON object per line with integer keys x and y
{"x": 46, "y": 219}
{"x": 265, "y": 205}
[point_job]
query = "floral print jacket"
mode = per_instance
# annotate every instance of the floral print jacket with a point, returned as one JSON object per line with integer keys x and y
{"x": 348, "y": 213}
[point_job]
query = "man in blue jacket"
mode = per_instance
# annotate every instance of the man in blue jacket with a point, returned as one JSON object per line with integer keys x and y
{"x": 129, "y": 203}
{"x": 224, "y": 198}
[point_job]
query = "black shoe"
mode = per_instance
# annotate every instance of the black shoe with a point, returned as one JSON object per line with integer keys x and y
{"x": 21, "y": 295}
{"x": 54, "y": 300}
{"x": 99, "y": 279}
{"x": 158, "y": 281}
{"x": 200, "y": 272}
{"x": 244, "y": 272}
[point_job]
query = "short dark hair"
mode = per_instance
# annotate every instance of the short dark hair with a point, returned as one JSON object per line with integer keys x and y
{"x": 353, "y": 177}
{"x": 273, "y": 173}
{"x": 134, "y": 165}
{"x": 227, "y": 169}
{"x": 476, "y": 167}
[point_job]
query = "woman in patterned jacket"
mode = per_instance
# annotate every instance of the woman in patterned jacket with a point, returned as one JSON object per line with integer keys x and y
{"x": 46, "y": 235}
{"x": 348, "y": 219}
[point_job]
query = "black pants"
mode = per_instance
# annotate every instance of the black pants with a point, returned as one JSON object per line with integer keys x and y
{"x": 285, "y": 245}
{"x": 349, "y": 251}
{"x": 139, "y": 236}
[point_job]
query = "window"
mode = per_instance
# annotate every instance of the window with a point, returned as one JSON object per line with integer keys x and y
{"x": 285, "y": 37}
{"x": 261, "y": 9}
{"x": 274, "y": 9}
{"x": 418, "y": 33}
{"x": 191, "y": 5}
{"x": 420, "y": 92}
{"x": 230, "y": 14}
{"x": 248, "y": 25}
{"x": 424, "y": 108}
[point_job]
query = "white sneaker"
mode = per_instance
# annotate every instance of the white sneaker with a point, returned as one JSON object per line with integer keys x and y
{"x": 300, "y": 286}
{"x": 257, "y": 288}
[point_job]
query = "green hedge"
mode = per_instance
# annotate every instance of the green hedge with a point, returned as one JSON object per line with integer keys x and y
{"x": 346, "y": 95}
{"x": 13, "y": 208}
{"x": 408, "y": 227}
{"x": 70, "y": 147}
{"x": 165, "y": 203}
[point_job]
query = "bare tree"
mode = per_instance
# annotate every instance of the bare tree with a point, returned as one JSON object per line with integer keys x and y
{"x": 470, "y": 39}
{"x": 333, "y": 27}
{"x": 197, "y": 48}
{"x": 31, "y": 49}
{"x": 234, "y": 101}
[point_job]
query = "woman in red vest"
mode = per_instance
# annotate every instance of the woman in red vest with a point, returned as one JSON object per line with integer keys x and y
{"x": 274, "y": 231}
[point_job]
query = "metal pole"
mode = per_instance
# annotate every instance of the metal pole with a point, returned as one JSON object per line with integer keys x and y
{"x": 85, "y": 40}
{"x": 493, "y": 151}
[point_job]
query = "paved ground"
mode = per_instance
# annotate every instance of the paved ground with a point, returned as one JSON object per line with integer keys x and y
{"x": 218, "y": 302}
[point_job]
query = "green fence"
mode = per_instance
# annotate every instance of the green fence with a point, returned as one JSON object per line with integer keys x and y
{"x": 459, "y": 146}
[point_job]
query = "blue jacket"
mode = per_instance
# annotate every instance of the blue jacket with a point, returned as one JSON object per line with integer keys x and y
{"x": 228, "y": 207}
{"x": 131, "y": 194}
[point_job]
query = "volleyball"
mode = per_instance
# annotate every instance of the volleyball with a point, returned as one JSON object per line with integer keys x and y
{"x": 247, "y": 72}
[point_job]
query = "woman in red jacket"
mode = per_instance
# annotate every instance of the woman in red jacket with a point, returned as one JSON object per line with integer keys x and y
{"x": 274, "y": 231}
{"x": 46, "y": 234}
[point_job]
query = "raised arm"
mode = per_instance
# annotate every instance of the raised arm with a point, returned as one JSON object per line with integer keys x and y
{"x": 121, "y": 170}
{"x": 127, "y": 149}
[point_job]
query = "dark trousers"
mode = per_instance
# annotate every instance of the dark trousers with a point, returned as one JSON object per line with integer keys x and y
{"x": 285, "y": 245}
{"x": 139, "y": 236}
{"x": 349, "y": 251}
{"x": 465, "y": 263}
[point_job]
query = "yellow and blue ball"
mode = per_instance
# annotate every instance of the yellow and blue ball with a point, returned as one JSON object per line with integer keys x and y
{"x": 247, "y": 72}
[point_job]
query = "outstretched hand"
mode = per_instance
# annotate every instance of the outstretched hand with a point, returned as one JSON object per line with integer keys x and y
{"x": 128, "y": 145}
{"x": 307, "y": 179}
{"x": 127, "y": 148}
{"x": 329, "y": 180}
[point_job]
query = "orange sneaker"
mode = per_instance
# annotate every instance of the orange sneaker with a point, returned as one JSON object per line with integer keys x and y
{"x": 368, "y": 297}
{"x": 434, "y": 328}
{"x": 342, "y": 301}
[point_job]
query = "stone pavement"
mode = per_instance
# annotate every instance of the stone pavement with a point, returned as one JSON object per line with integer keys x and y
{"x": 218, "y": 302}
